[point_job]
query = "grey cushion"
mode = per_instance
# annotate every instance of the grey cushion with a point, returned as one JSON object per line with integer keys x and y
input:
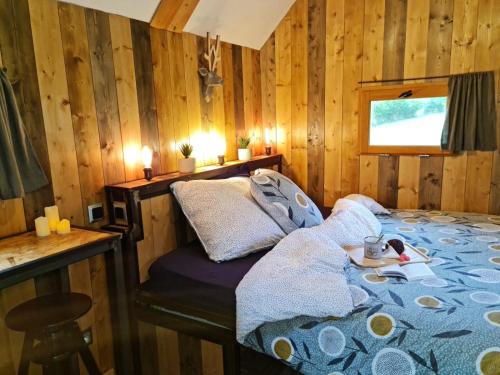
{"x": 284, "y": 201}
{"x": 227, "y": 220}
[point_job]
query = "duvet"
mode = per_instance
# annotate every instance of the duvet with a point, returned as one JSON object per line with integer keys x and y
{"x": 446, "y": 325}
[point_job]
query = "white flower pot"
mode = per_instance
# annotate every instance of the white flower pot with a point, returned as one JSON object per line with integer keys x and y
{"x": 187, "y": 165}
{"x": 244, "y": 154}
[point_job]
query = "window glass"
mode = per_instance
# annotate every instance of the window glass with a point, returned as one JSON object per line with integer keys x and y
{"x": 407, "y": 122}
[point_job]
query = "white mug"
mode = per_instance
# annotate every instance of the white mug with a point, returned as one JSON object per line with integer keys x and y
{"x": 374, "y": 247}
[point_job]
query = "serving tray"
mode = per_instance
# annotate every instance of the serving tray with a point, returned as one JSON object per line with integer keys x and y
{"x": 357, "y": 255}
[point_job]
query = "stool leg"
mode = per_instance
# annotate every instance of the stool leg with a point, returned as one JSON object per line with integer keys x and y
{"x": 24, "y": 364}
{"x": 89, "y": 361}
{"x": 85, "y": 353}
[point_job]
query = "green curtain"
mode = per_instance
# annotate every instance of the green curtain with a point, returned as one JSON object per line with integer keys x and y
{"x": 20, "y": 170}
{"x": 471, "y": 116}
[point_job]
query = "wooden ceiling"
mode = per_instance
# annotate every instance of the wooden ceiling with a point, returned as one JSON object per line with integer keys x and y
{"x": 173, "y": 15}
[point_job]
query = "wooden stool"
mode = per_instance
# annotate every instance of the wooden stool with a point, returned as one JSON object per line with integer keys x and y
{"x": 51, "y": 320}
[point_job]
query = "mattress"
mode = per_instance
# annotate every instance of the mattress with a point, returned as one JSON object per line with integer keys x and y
{"x": 447, "y": 325}
{"x": 188, "y": 282}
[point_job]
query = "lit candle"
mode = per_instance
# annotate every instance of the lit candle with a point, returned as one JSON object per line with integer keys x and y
{"x": 42, "y": 226}
{"x": 52, "y": 215}
{"x": 147, "y": 159}
{"x": 267, "y": 139}
{"x": 63, "y": 227}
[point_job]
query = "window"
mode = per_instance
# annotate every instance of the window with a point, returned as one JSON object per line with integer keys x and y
{"x": 405, "y": 119}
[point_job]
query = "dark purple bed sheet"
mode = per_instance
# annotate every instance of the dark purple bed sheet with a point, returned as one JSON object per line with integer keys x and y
{"x": 193, "y": 263}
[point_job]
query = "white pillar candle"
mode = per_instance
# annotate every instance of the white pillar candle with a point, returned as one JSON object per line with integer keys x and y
{"x": 52, "y": 215}
{"x": 63, "y": 227}
{"x": 42, "y": 226}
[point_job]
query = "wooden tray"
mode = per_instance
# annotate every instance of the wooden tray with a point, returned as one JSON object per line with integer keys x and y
{"x": 357, "y": 255}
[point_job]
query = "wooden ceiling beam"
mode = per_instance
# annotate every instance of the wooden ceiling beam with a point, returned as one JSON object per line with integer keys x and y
{"x": 173, "y": 15}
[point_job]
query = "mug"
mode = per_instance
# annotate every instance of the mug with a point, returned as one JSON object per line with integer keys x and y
{"x": 374, "y": 247}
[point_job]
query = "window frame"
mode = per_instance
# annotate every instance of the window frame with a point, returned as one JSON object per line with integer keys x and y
{"x": 371, "y": 93}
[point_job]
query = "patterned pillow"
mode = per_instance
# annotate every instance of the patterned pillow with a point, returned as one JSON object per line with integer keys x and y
{"x": 284, "y": 201}
{"x": 226, "y": 218}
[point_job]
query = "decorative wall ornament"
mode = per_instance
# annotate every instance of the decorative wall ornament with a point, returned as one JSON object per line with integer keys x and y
{"x": 209, "y": 74}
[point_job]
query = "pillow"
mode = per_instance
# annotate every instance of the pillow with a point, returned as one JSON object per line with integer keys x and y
{"x": 284, "y": 201}
{"x": 225, "y": 217}
{"x": 350, "y": 223}
{"x": 369, "y": 203}
{"x": 363, "y": 214}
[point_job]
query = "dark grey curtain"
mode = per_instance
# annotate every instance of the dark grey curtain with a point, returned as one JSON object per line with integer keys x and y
{"x": 20, "y": 170}
{"x": 471, "y": 116}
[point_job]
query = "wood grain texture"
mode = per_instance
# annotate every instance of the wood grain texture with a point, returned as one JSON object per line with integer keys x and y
{"x": 190, "y": 355}
{"x": 106, "y": 101}
{"x": 17, "y": 43}
{"x": 464, "y": 37}
{"x": 368, "y": 175}
{"x": 83, "y": 111}
{"x": 268, "y": 85}
{"x": 173, "y": 15}
{"x": 211, "y": 355}
{"x": 417, "y": 28}
{"x": 453, "y": 192}
{"x": 353, "y": 59}
{"x": 299, "y": 37}
{"x": 431, "y": 180}
{"x": 229, "y": 101}
{"x": 12, "y": 219}
{"x": 394, "y": 38}
{"x": 439, "y": 42}
{"x": 283, "y": 61}
{"x": 334, "y": 62}
{"x": 126, "y": 90}
{"x": 408, "y": 181}
{"x": 478, "y": 180}
{"x": 145, "y": 89}
{"x": 164, "y": 100}
{"x": 168, "y": 351}
{"x": 56, "y": 108}
{"x": 388, "y": 172}
{"x": 373, "y": 43}
{"x": 316, "y": 99}
{"x": 239, "y": 100}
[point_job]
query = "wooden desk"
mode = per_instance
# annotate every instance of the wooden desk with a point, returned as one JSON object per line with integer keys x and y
{"x": 26, "y": 256}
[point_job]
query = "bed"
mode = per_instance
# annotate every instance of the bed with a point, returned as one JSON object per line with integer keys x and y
{"x": 449, "y": 325}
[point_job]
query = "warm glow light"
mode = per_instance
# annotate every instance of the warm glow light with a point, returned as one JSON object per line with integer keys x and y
{"x": 267, "y": 136}
{"x": 131, "y": 154}
{"x": 147, "y": 156}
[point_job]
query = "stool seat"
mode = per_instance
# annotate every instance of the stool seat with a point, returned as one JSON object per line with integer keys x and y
{"x": 48, "y": 311}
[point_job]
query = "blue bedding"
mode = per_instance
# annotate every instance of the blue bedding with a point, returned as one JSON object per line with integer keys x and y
{"x": 447, "y": 325}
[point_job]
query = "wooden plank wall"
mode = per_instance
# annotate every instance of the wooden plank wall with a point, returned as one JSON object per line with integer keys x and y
{"x": 92, "y": 89}
{"x": 324, "y": 47}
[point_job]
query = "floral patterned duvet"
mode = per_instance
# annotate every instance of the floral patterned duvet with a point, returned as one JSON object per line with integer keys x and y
{"x": 447, "y": 325}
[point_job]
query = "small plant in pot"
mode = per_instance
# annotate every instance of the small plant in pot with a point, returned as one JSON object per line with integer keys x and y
{"x": 244, "y": 153}
{"x": 188, "y": 164}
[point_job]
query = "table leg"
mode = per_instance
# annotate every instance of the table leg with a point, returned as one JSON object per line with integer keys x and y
{"x": 119, "y": 310}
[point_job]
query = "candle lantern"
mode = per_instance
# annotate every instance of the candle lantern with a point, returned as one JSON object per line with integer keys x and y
{"x": 147, "y": 159}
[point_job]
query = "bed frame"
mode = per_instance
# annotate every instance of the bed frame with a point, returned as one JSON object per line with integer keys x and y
{"x": 204, "y": 321}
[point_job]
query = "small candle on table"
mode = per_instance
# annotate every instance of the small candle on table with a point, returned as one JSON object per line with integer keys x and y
{"x": 42, "y": 226}
{"x": 63, "y": 227}
{"x": 52, "y": 215}
{"x": 267, "y": 139}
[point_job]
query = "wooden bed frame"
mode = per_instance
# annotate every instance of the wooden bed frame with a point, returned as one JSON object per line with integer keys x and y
{"x": 124, "y": 204}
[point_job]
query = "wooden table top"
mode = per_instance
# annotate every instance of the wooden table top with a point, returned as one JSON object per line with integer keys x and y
{"x": 26, "y": 248}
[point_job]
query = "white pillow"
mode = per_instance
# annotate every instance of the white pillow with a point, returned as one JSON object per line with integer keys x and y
{"x": 227, "y": 220}
{"x": 369, "y": 203}
{"x": 350, "y": 223}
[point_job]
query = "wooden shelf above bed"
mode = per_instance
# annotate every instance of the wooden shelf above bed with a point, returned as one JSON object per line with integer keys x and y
{"x": 123, "y": 200}
{"x": 161, "y": 183}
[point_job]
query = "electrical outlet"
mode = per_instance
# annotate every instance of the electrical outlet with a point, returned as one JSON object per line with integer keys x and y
{"x": 96, "y": 212}
{"x": 87, "y": 336}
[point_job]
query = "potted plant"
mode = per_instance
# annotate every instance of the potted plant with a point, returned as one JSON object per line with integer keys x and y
{"x": 188, "y": 164}
{"x": 244, "y": 153}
